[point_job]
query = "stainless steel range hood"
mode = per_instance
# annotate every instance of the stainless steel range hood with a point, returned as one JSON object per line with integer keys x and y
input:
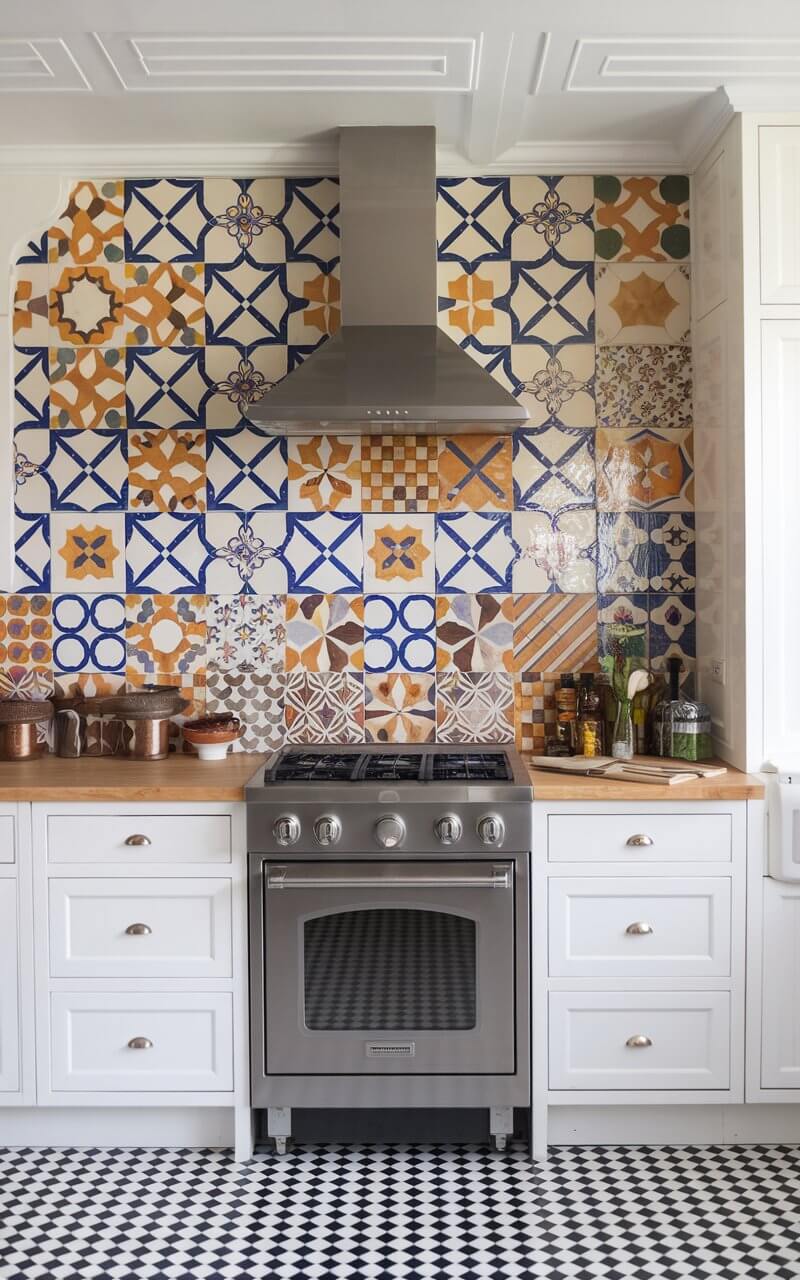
{"x": 390, "y": 368}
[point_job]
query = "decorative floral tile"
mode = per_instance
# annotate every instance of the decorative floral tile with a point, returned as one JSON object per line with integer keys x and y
{"x": 641, "y": 219}
{"x": 257, "y": 698}
{"x": 26, "y": 635}
{"x": 167, "y": 470}
{"x": 644, "y": 386}
{"x": 33, "y": 453}
{"x": 89, "y": 634}
{"x": 629, "y": 610}
{"x": 237, "y": 378}
{"x": 399, "y": 553}
{"x": 310, "y": 219}
{"x": 400, "y": 633}
{"x": 639, "y": 303}
{"x": 87, "y": 387}
{"x": 474, "y": 219}
{"x": 324, "y": 633}
{"x": 672, "y": 630}
{"x": 245, "y": 633}
{"x": 245, "y": 553}
{"x": 400, "y": 708}
{"x": 315, "y": 303}
{"x": 90, "y": 228}
{"x": 473, "y": 302}
{"x": 399, "y": 473}
{"x": 474, "y": 707}
{"x": 474, "y": 633}
{"x": 31, "y": 387}
{"x": 554, "y": 384}
{"x": 164, "y": 305}
{"x": 88, "y": 470}
{"x": 166, "y": 387}
{"x": 325, "y": 473}
{"x": 324, "y": 553}
{"x": 87, "y": 305}
{"x": 475, "y": 473}
{"x": 555, "y": 633}
{"x": 165, "y": 635}
{"x": 552, "y": 300}
{"x": 556, "y": 553}
{"x": 644, "y": 469}
{"x": 166, "y": 553}
{"x": 31, "y": 305}
{"x": 247, "y": 216}
{"x": 474, "y": 552}
{"x": 554, "y": 469}
{"x": 553, "y": 213}
{"x": 165, "y": 220}
{"x": 31, "y": 552}
{"x": 645, "y": 550}
{"x": 672, "y": 551}
{"x": 17, "y": 682}
{"x": 246, "y": 305}
{"x": 323, "y": 707}
{"x": 88, "y": 551}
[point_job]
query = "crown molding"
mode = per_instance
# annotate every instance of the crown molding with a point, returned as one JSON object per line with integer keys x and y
{"x": 707, "y": 122}
{"x": 589, "y": 157}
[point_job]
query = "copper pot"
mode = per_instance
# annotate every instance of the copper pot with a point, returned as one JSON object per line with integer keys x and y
{"x": 146, "y": 738}
{"x": 19, "y": 718}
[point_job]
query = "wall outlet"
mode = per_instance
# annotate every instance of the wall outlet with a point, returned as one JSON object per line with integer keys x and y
{"x": 716, "y": 669}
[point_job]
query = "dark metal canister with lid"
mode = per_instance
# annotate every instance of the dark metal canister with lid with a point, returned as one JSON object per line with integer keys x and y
{"x": 681, "y": 727}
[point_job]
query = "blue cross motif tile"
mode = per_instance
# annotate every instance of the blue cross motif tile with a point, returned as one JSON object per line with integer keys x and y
{"x": 165, "y": 220}
{"x": 35, "y": 250}
{"x": 474, "y": 552}
{"x": 399, "y": 633}
{"x": 474, "y": 219}
{"x": 88, "y": 633}
{"x": 166, "y": 553}
{"x": 246, "y": 470}
{"x": 88, "y": 470}
{"x": 166, "y": 387}
{"x": 672, "y": 551}
{"x": 31, "y": 387}
{"x": 552, "y": 300}
{"x": 553, "y": 469}
{"x": 310, "y": 220}
{"x": 32, "y": 553}
{"x": 247, "y": 304}
{"x": 324, "y": 552}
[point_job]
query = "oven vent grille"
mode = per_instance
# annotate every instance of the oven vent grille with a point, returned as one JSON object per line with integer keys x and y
{"x": 383, "y": 1049}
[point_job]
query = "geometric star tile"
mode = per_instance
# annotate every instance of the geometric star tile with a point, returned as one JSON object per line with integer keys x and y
{"x": 88, "y": 551}
{"x": 88, "y": 471}
{"x": 550, "y": 213}
{"x": 87, "y": 305}
{"x": 325, "y": 473}
{"x": 310, "y": 220}
{"x": 165, "y": 387}
{"x": 644, "y": 469}
{"x": 245, "y": 304}
{"x": 642, "y": 219}
{"x": 555, "y": 385}
{"x": 325, "y": 633}
{"x": 87, "y": 387}
{"x": 474, "y": 632}
{"x": 642, "y": 303}
{"x": 644, "y": 386}
{"x": 246, "y": 470}
{"x": 556, "y": 553}
{"x": 164, "y": 304}
{"x": 399, "y": 552}
{"x": 165, "y": 220}
{"x": 552, "y": 300}
{"x": 323, "y": 553}
{"x": 474, "y": 219}
{"x": 166, "y": 553}
{"x": 474, "y": 706}
{"x": 474, "y": 552}
{"x": 31, "y": 387}
{"x": 554, "y": 469}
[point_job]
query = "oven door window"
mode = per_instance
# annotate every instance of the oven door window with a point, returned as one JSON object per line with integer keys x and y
{"x": 389, "y": 969}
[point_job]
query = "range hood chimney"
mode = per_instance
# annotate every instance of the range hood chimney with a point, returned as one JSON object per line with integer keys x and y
{"x": 390, "y": 369}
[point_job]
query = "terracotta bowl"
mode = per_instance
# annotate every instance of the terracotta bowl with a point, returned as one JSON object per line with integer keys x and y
{"x": 212, "y": 742}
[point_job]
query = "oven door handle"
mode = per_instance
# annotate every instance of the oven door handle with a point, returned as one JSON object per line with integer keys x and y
{"x": 280, "y": 878}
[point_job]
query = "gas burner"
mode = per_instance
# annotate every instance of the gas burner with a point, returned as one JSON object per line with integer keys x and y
{"x": 313, "y": 766}
{"x": 471, "y": 766}
{"x": 391, "y": 766}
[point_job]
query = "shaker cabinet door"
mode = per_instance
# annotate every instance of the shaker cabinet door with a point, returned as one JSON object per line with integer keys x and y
{"x": 9, "y": 995}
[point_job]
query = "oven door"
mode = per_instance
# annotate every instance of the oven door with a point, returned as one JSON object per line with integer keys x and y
{"x": 389, "y": 968}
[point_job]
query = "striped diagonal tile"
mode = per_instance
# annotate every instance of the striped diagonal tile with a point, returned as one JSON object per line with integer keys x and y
{"x": 555, "y": 632}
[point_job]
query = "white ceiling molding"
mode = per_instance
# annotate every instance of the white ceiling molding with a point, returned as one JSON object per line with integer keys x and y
{"x": 665, "y": 64}
{"x": 213, "y": 63}
{"x": 39, "y": 66}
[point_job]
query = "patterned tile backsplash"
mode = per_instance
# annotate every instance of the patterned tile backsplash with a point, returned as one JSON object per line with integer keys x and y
{"x": 337, "y": 589}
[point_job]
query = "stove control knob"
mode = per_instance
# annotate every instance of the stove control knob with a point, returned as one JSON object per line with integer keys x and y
{"x": 492, "y": 829}
{"x": 448, "y": 829}
{"x": 327, "y": 829}
{"x": 390, "y": 831}
{"x": 286, "y": 829}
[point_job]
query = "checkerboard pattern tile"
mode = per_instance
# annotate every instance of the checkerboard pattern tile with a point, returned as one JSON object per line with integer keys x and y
{"x": 406, "y": 588}
{"x": 402, "y": 1213}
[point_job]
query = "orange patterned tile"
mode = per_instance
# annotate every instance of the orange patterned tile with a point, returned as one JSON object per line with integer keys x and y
{"x": 475, "y": 473}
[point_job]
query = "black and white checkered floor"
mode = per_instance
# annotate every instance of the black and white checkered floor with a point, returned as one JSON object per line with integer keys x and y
{"x": 402, "y": 1213}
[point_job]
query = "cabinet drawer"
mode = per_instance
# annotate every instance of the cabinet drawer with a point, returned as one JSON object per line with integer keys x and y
{"x": 140, "y": 928}
{"x": 594, "y": 1036}
{"x": 93, "y": 1038}
{"x": 8, "y": 838}
{"x": 138, "y": 837}
{"x": 639, "y": 928}
{"x": 639, "y": 838}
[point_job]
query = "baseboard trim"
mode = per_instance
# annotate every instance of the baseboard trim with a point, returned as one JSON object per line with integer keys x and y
{"x": 116, "y": 1127}
{"x": 672, "y": 1125}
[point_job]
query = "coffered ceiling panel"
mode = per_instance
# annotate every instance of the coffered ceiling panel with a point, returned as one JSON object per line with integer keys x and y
{"x": 38, "y": 65}
{"x": 630, "y": 65}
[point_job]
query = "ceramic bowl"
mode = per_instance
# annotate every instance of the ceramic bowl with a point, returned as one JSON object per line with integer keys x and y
{"x": 211, "y": 742}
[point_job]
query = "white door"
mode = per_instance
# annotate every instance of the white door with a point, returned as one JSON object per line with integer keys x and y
{"x": 780, "y": 1029}
{"x": 9, "y": 996}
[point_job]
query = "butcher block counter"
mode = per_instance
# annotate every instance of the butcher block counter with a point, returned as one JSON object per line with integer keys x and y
{"x": 733, "y": 785}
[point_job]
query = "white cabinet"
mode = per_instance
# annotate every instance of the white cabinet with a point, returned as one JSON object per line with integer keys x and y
{"x": 9, "y": 989}
{"x": 779, "y": 213}
{"x": 604, "y": 835}
{"x": 780, "y": 1025}
{"x": 137, "y": 837}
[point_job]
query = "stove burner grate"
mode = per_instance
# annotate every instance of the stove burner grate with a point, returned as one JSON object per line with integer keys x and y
{"x": 312, "y": 766}
{"x": 471, "y": 766}
{"x": 391, "y": 766}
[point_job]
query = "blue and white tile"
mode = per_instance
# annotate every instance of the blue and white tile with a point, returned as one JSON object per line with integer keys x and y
{"x": 237, "y": 378}
{"x": 166, "y": 387}
{"x": 399, "y": 633}
{"x": 311, "y": 220}
{"x": 32, "y": 552}
{"x": 474, "y": 552}
{"x": 246, "y": 470}
{"x": 165, "y": 220}
{"x": 552, "y": 301}
{"x": 246, "y": 304}
{"x": 623, "y": 551}
{"x": 33, "y": 451}
{"x": 166, "y": 553}
{"x": 245, "y": 215}
{"x": 672, "y": 551}
{"x": 88, "y": 470}
{"x": 672, "y": 629}
{"x": 474, "y": 219}
{"x": 554, "y": 213}
{"x": 31, "y": 387}
{"x": 324, "y": 552}
{"x": 553, "y": 469}
{"x": 555, "y": 553}
{"x": 630, "y": 611}
{"x": 88, "y": 633}
{"x": 555, "y": 384}
{"x": 246, "y": 553}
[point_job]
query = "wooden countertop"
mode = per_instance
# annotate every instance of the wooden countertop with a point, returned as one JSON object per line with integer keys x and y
{"x": 732, "y": 785}
{"x": 179, "y": 777}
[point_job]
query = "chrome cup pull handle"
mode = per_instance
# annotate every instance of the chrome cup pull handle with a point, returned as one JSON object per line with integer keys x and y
{"x": 639, "y": 1042}
{"x": 138, "y": 840}
{"x": 640, "y": 841}
{"x": 639, "y": 928}
{"x": 138, "y": 930}
{"x": 140, "y": 1042}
